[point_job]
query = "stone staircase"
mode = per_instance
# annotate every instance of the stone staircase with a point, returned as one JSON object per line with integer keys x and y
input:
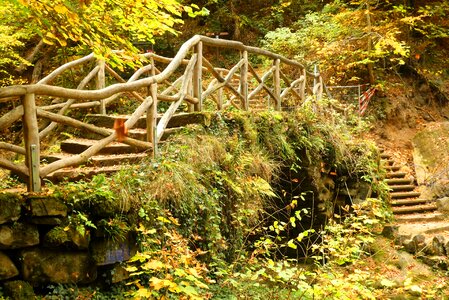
{"x": 405, "y": 199}
{"x": 115, "y": 155}
{"x": 418, "y": 225}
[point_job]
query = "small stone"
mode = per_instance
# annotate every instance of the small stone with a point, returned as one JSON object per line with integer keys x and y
{"x": 420, "y": 242}
{"x": 45, "y": 266}
{"x": 440, "y": 262}
{"x": 10, "y": 207}
{"x": 409, "y": 246}
{"x": 390, "y": 231}
{"x": 47, "y": 207}
{"x": 400, "y": 239}
{"x": 19, "y": 290}
{"x": 443, "y": 205}
{"x": 18, "y": 235}
{"x": 437, "y": 245}
{"x": 7, "y": 267}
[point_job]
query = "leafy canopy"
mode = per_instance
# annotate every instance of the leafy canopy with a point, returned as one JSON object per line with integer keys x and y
{"x": 102, "y": 25}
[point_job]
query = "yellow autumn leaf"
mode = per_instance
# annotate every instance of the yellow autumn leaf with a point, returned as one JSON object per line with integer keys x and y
{"x": 157, "y": 283}
{"x": 153, "y": 265}
{"x": 60, "y": 9}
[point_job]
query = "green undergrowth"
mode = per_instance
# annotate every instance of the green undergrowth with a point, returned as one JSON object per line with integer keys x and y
{"x": 213, "y": 219}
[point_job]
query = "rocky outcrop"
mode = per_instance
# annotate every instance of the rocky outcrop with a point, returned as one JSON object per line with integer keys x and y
{"x": 43, "y": 265}
{"x": 42, "y": 241}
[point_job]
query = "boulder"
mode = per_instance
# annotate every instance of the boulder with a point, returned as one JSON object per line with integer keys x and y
{"x": 44, "y": 206}
{"x": 390, "y": 231}
{"x": 49, "y": 266}
{"x": 19, "y": 290}
{"x": 11, "y": 207}
{"x": 436, "y": 247}
{"x": 7, "y": 267}
{"x": 18, "y": 235}
{"x": 67, "y": 237}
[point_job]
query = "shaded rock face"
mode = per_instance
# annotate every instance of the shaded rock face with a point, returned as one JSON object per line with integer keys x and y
{"x": 7, "y": 267}
{"x": 18, "y": 235}
{"x": 42, "y": 266}
{"x": 10, "y": 207}
{"x": 106, "y": 252}
{"x": 430, "y": 155}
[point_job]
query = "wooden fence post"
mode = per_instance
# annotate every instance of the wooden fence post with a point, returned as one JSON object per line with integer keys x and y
{"x": 244, "y": 80}
{"x": 152, "y": 113}
{"x": 31, "y": 140}
{"x": 304, "y": 85}
{"x": 220, "y": 95}
{"x": 277, "y": 84}
{"x": 197, "y": 77}
{"x": 101, "y": 83}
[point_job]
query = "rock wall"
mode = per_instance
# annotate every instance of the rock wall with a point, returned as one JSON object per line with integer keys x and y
{"x": 40, "y": 244}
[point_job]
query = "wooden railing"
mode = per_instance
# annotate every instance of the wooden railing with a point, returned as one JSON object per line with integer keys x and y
{"x": 189, "y": 82}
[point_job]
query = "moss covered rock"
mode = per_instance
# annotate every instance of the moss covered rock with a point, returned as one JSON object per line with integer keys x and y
{"x": 10, "y": 207}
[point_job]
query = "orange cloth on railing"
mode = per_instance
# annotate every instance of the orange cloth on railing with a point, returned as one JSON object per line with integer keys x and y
{"x": 120, "y": 129}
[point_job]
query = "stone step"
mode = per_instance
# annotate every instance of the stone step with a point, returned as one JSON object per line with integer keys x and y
{"x": 388, "y": 162}
{"x": 399, "y": 188}
{"x": 409, "y": 202}
{"x": 392, "y": 168}
{"x": 76, "y": 146}
{"x": 396, "y": 174}
{"x": 422, "y": 217}
{"x": 178, "y": 120}
{"x": 401, "y": 195}
{"x": 74, "y": 174}
{"x": 385, "y": 156}
{"x": 396, "y": 181}
{"x": 102, "y": 160}
{"x": 414, "y": 208}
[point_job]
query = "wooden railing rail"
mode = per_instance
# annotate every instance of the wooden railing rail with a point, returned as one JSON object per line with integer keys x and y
{"x": 188, "y": 81}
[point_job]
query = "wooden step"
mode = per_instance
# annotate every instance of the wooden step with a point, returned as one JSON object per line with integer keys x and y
{"x": 392, "y": 168}
{"x": 396, "y": 175}
{"x": 414, "y": 208}
{"x": 401, "y": 195}
{"x": 396, "y": 181}
{"x": 178, "y": 120}
{"x": 74, "y": 174}
{"x": 422, "y": 217}
{"x": 409, "y": 202}
{"x": 76, "y": 146}
{"x": 101, "y": 160}
{"x": 398, "y": 188}
{"x": 388, "y": 162}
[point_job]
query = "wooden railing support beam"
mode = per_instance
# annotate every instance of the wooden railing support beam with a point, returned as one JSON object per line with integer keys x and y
{"x": 101, "y": 84}
{"x": 197, "y": 77}
{"x": 277, "y": 84}
{"x": 31, "y": 141}
{"x": 152, "y": 114}
{"x": 244, "y": 80}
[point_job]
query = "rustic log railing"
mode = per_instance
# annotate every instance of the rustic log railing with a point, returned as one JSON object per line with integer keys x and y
{"x": 187, "y": 82}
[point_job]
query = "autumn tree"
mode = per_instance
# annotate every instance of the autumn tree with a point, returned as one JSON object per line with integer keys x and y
{"x": 87, "y": 25}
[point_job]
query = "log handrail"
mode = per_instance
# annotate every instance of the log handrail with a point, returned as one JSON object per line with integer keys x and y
{"x": 199, "y": 81}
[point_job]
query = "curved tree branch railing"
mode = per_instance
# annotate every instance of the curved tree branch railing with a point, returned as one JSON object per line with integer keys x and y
{"x": 240, "y": 86}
